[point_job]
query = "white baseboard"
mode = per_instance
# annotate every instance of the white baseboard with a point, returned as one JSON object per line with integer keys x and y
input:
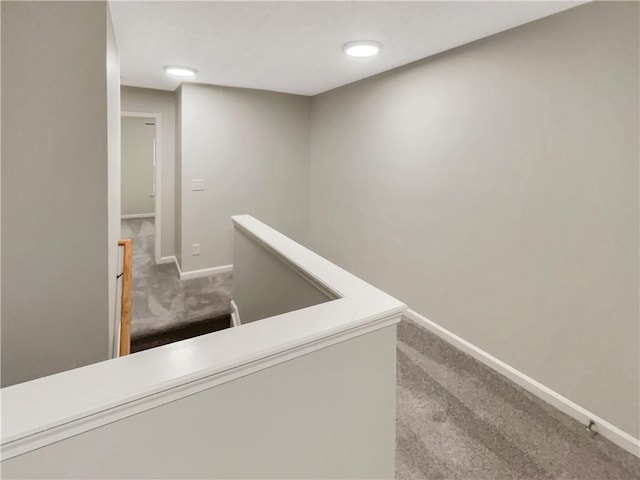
{"x": 604, "y": 428}
{"x": 137, "y": 215}
{"x": 170, "y": 259}
{"x": 205, "y": 272}
{"x": 235, "y": 314}
{"x": 175, "y": 259}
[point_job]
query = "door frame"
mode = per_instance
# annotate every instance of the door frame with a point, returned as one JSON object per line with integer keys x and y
{"x": 158, "y": 179}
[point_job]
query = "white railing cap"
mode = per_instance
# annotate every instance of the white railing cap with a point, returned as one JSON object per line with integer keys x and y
{"x": 49, "y": 409}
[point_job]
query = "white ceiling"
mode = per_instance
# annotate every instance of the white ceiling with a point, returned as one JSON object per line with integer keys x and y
{"x": 295, "y": 47}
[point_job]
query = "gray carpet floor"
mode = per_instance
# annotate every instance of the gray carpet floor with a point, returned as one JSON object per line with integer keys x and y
{"x": 160, "y": 300}
{"x": 458, "y": 419}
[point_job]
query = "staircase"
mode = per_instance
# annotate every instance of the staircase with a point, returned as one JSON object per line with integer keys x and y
{"x": 178, "y": 333}
{"x": 165, "y": 309}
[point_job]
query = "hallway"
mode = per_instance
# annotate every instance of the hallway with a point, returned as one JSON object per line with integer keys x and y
{"x": 164, "y": 308}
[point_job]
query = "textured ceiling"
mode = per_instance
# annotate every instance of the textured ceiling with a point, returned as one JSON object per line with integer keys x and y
{"x": 295, "y": 47}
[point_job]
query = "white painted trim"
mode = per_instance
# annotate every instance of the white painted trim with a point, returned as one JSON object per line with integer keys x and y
{"x": 604, "y": 428}
{"x": 205, "y": 272}
{"x": 235, "y": 314}
{"x": 137, "y": 215}
{"x": 158, "y": 177}
{"x": 175, "y": 259}
{"x": 170, "y": 259}
{"x": 12, "y": 447}
{"x": 49, "y": 409}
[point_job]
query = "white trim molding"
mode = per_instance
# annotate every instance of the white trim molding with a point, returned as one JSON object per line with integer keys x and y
{"x": 50, "y": 409}
{"x": 137, "y": 215}
{"x": 235, "y": 314}
{"x": 13, "y": 446}
{"x": 604, "y": 428}
{"x": 170, "y": 259}
{"x": 205, "y": 272}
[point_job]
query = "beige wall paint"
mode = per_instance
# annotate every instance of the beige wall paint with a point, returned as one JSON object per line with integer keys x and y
{"x": 59, "y": 202}
{"x": 251, "y": 147}
{"x": 147, "y": 100}
{"x": 494, "y": 188}
{"x": 327, "y": 414}
{"x": 264, "y": 285}
{"x": 138, "y": 140}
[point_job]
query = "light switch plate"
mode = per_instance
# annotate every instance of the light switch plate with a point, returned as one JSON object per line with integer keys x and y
{"x": 197, "y": 184}
{"x": 195, "y": 249}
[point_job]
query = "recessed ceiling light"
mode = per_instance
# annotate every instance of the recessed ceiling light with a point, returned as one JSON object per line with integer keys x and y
{"x": 177, "y": 71}
{"x": 362, "y": 48}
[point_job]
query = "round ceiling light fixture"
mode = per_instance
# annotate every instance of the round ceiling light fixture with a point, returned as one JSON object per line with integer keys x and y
{"x": 177, "y": 71}
{"x": 362, "y": 48}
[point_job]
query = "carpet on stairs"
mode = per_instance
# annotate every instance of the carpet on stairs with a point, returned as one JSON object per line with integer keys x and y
{"x": 180, "y": 332}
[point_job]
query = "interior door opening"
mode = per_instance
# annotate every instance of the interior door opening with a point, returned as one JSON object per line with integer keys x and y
{"x": 139, "y": 184}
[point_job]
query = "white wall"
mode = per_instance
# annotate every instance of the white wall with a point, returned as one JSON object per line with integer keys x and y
{"x": 60, "y": 154}
{"x": 138, "y": 178}
{"x": 164, "y": 103}
{"x": 494, "y": 188}
{"x": 251, "y": 148}
{"x": 264, "y": 285}
{"x": 327, "y": 414}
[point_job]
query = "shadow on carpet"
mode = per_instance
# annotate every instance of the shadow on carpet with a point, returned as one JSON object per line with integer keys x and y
{"x": 182, "y": 332}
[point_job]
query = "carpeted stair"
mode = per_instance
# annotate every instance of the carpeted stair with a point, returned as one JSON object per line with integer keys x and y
{"x": 181, "y": 332}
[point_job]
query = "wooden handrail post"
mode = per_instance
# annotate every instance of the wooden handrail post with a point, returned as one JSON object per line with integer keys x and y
{"x": 125, "y": 316}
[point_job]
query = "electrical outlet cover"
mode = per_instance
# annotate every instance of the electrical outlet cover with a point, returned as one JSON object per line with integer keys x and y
{"x": 197, "y": 184}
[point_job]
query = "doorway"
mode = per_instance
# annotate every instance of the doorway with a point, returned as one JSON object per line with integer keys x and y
{"x": 140, "y": 182}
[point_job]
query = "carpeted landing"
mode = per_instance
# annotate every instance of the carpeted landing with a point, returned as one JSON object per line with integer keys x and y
{"x": 165, "y": 309}
{"x": 458, "y": 419}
